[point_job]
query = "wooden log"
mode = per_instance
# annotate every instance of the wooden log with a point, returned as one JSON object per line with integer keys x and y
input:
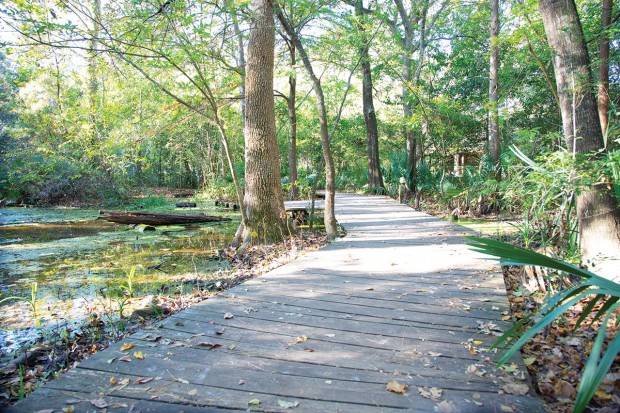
{"x": 153, "y": 218}
{"x": 185, "y": 205}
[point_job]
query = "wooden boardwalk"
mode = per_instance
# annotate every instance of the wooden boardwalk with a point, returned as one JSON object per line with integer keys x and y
{"x": 400, "y": 298}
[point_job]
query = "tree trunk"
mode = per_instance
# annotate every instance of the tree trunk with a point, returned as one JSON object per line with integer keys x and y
{"x": 494, "y": 138}
{"x": 263, "y": 201}
{"x": 329, "y": 216}
{"x": 375, "y": 180}
{"x": 603, "y": 72}
{"x": 292, "y": 127}
{"x": 597, "y": 207}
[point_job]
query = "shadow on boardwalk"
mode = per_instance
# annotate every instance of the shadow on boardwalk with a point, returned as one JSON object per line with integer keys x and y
{"x": 400, "y": 298}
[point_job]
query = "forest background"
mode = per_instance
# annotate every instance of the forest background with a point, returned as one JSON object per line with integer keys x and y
{"x": 99, "y": 98}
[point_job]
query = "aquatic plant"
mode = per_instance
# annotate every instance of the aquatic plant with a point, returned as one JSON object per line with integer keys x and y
{"x": 128, "y": 286}
{"x": 34, "y": 301}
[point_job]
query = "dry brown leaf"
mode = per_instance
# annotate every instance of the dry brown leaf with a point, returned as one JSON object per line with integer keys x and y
{"x": 208, "y": 345}
{"x": 447, "y": 407}
{"x": 472, "y": 350}
{"x": 125, "y": 359}
{"x": 506, "y": 409}
{"x": 433, "y": 354}
{"x": 126, "y": 346}
{"x": 179, "y": 323}
{"x": 564, "y": 389}
{"x": 301, "y": 339}
{"x": 396, "y": 387}
{"x": 99, "y": 403}
{"x": 433, "y": 393}
{"x": 143, "y": 380}
{"x": 231, "y": 347}
{"x": 124, "y": 382}
{"x": 119, "y": 406}
{"x": 518, "y": 389}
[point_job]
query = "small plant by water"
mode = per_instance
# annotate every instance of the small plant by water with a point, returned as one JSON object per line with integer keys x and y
{"x": 34, "y": 301}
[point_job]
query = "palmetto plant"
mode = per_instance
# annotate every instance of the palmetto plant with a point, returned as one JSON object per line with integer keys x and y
{"x": 605, "y": 294}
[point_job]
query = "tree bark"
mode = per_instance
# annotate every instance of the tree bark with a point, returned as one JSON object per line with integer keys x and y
{"x": 375, "y": 180}
{"x": 263, "y": 201}
{"x": 603, "y": 72}
{"x": 329, "y": 215}
{"x": 494, "y": 138}
{"x": 597, "y": 206}
{"x": 292, "y": 117}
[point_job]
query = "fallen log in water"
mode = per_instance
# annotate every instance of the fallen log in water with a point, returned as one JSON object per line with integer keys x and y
{"x": 155, "y": 218}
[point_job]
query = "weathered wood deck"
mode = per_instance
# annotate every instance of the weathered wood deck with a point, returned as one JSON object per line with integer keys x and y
{"x": 400, "y": 298}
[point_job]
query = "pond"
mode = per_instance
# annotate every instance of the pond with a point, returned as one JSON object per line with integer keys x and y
{"x": 65, "y": 265}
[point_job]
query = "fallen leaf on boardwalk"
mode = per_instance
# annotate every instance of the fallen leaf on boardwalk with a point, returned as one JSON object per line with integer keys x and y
{"x": 228, "y": 316}
{"x": 433, "y": 393}
{"x": 396, "y": 387}
{"x": 220, "y": 332}
{"x": 208, "y": 345}
{"x": 113, "y": 380}
{"x": 143, "y": 380}
{"x": 241, "y": 382}
{"x": 254, "y": 402}
{"x": 192, "y": 392}
{"x": 126, "y": 359}
{"x": 198, "y": 335}
{"x": 119, "y": 406}
{"x": 506, "y": 409}
{"x": 138, "y": 355}
{"x": 45, "y": 411}
{"x": 126, "y": 346}
{"x": 330, "y": 335}
{"x": 433, "y": 354}
{"x": 472, "y": 350}
{"x": 231, "y": 347}
{"x": 529, "y": 360}
{"x": 478, "y": 342}
{"x": 308, "y": 350}
{"x": 518, "y": 389}
{"x": 447, "y": 407}
{"x": 150, "y": 337}
{"x": 180, "y": 380}
{"x": 124, "y": 382}
{"x": 99, "y": 403}
{"x": 301, "y": 339}
{"x": 112, "y": 360}
{"x": 177, "y": 344}
{"x": 69, "y": 409}
{"x": 179, "y": 323}
{"x": 564, "y": 389}
{"x": 287, "y": 405}
{"x": 369, "y": 289}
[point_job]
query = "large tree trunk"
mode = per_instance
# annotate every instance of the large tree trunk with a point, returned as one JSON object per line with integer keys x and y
{"x": 603, "y": 72}
{"x": 292, "y": 127}
{"x": 597, "y": 207}
{"x": 263, "y": 201}
{"x": 329, "y": 215}
{"x": 494, "y": 138}
{"x": 375, "y": 180}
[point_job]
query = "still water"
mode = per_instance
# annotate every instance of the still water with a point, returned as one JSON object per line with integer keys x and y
{"x": 81, "y": 264}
